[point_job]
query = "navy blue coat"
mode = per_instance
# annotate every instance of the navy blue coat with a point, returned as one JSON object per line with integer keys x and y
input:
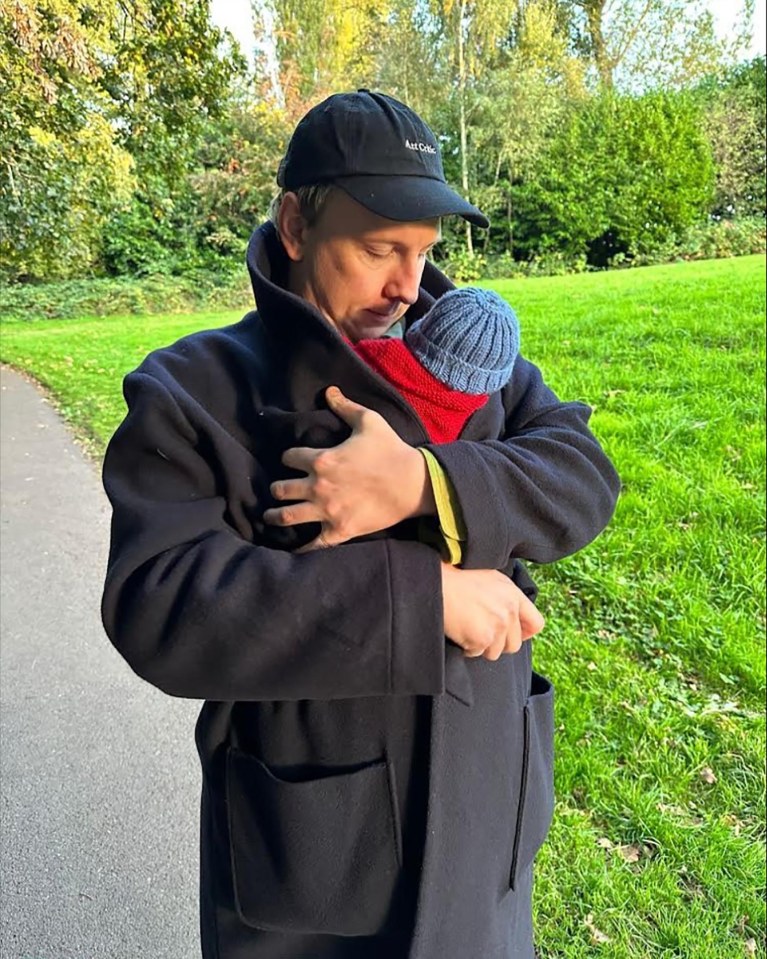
{"x": 367, "y": 790}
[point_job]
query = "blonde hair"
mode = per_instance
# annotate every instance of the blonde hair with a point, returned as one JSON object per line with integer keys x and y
{"x": 311, "y": 201}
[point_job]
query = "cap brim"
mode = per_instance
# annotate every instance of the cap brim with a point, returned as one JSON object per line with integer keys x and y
{"x": 409, "y": 198}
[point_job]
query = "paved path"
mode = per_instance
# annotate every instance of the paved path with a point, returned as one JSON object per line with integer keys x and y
{"x": 99, "y": 780}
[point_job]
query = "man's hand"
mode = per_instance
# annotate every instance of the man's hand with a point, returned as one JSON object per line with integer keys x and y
{"x": 371, "y": 481}
{"x": 485, "y": 613}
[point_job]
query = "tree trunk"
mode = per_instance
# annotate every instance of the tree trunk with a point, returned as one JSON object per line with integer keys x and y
{"x": 486, "y": 241}
{"x": 594, "y": 15}
{"x": 462, "y": 118}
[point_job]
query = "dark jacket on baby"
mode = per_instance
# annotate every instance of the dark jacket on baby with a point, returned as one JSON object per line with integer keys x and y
{"x": 367, "y": 790}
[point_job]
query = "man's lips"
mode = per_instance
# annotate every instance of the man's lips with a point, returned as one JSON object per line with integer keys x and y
{"x": 387, "y": 314}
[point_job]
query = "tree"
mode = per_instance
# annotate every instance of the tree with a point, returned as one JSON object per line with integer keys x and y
{"x": 623, "y": 175}
{"x": 168, "y": 77}
{"x": 319, "y": 46}
{"x": 518, "y": 108}
{"x": 473, "y": 33}
{"x": 237, "y": 182}
{"x": 101, "y": 102}
{"x": 644, "y": 44}
{"x": 407, "y": 59}
{"x": 734, "y": 110}
{"x": 62, "y": 170}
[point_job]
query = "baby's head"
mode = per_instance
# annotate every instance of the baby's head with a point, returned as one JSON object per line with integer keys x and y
{"x": 468, "y": 340}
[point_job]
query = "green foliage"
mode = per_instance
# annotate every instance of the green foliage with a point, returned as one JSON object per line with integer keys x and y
{"x": 57, "y": 195}
{"x": 707, "y": 241}
{"x": 735, "y": 117}
{"x": 100, "y": 101}
{"x": 642, "y": 45}
{"x": 702, "y": 241}
{"x": 235, "y": 181}
{"x": 171, "y": 83}
{"x": 547, "y": 264}
{"x": 623, "y": 174}
{"x": 654, "y": 635}
{"x": 465, "y": 267}
{"x": 61, "y": 169}
{"x": 154, "y": 234}
{"x": 132, "y": 142}
{"x": 226, "y": 288}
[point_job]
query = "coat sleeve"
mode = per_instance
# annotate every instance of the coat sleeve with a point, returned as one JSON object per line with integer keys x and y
{"x": 544, "y": 490}
{"x": 201, "y": 612}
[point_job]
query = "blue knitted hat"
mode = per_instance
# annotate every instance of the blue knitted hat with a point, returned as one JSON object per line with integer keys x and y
{"x": 468, "y": 340}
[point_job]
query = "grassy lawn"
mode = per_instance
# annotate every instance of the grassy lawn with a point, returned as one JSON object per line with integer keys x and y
{"x": 655, "y": 634}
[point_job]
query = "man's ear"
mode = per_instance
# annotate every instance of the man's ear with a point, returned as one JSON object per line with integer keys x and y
{"x": 292, "y": 227}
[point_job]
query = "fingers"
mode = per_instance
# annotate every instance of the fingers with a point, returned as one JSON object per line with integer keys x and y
{"x": 513, "y": 634}
{"x": 301, "y": 458}
{"x": 349, "y": 411}
{"x": 523, "y": 621}
{"x": 495, "y": 650}
{"x": 530, "y": 619}
{"x": 293, "y": 489}
{"x": 292, "y": 515}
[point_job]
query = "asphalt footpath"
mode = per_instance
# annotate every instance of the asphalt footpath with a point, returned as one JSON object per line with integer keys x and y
{"x": 99, "y": 779}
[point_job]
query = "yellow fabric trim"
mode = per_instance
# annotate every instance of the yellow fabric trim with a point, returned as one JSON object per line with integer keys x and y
{"x": 451, "y": 528}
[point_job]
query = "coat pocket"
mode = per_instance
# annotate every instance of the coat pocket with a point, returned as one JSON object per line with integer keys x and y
{"x": 320, "y": 854}
{"x": 536, "y": 796}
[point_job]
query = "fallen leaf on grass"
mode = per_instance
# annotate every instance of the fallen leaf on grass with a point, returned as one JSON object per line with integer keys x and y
{"x": 734, "y": 823}
{"x": 670, "y": 808}
{"x": 592, "y": 666}
{"x": 707, "y": 775}
{"x": 750, "y": 947}
{"x": 629, "y": 853}
{"x": 598, "y": 937}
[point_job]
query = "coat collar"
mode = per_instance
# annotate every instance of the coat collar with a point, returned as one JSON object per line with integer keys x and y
{"x": 286, "y": 315}
{"x": 312, "y": 352}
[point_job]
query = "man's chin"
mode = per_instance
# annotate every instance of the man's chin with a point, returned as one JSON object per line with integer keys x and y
{"x": 369, "y": 325}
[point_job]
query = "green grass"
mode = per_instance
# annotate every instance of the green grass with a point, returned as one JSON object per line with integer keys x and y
{"x": 655, "y": 633}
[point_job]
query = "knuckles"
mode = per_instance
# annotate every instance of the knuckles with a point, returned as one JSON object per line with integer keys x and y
{"x": 284, "y": 516}
{"x": 321, "y": 488}
{"x": 323, "y": 463}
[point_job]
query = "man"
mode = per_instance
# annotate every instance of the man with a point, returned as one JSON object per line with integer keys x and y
{"x": 370, "y": 788}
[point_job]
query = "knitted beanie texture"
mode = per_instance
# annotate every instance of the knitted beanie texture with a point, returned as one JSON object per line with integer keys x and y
{"x": 469, "y": 340}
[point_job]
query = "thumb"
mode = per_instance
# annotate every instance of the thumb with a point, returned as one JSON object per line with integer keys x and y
{"x": 323, "y": 541}
{"x": 349, "y": 411}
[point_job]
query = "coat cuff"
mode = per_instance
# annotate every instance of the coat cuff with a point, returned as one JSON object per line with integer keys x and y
{"x": 417, "y": 628}
{"x": 452, "y": 530}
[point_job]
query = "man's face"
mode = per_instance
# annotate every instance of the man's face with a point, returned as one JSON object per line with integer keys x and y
{"x": 360, "y": 270}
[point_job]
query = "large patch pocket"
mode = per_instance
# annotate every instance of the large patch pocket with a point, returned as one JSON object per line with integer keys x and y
{"x": 536, "y": 796}
{"x": 313, "y": 855}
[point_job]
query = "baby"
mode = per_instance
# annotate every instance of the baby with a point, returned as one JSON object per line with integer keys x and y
{"x": 451, "y": 360}
{"x": 446, "y": 366}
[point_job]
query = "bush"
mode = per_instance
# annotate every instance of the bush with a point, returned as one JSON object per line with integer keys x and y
{"x": 706, "y": 241}
{"x": 464, "y": 267}
{"x": 623, "y": 174}
{"x": 229, "y": 289}
{"x": 548, "y": 264}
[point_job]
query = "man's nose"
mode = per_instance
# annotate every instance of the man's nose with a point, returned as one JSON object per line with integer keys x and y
{"x": 405, "y": 282}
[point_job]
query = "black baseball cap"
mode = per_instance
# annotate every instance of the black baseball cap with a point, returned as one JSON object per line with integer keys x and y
{"x": 379, "y": 152}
